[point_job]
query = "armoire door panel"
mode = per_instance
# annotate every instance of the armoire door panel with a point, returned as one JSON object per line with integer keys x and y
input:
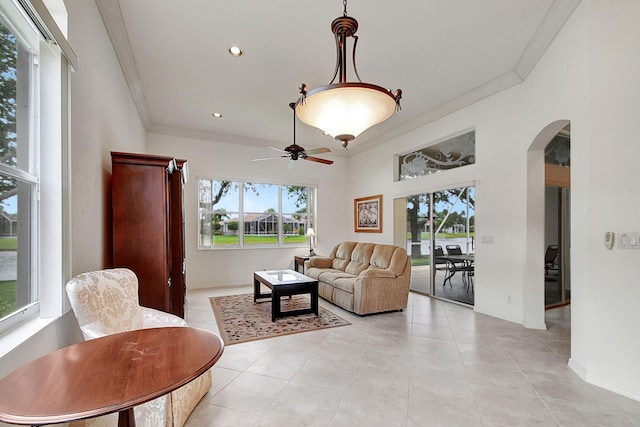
{"x": 144, "y": 238}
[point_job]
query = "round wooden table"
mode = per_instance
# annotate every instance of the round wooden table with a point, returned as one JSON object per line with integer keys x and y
{"x": 109, "y": 374}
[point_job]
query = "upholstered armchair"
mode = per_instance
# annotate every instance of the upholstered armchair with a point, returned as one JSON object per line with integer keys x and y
{"x": 106, "y": 302}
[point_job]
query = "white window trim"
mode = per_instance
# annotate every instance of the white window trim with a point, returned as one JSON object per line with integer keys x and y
{"x": 311, "y": 202}
{"x": 53, "y": 239}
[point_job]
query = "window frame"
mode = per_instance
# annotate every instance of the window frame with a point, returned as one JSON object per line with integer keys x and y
{"x": 452, "y": 152}
{"x": 311, "y": 214}
{"x": 26, "y": 170}
{"x": 49, "y": 139}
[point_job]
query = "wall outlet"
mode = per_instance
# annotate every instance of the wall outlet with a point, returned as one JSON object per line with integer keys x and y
{"x": 509, "y": 299}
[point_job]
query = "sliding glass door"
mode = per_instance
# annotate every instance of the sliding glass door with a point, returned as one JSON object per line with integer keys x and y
{"x": 453, "y": 241}
{"x": 438, "y": 230}
{"x": 418, "y": 241}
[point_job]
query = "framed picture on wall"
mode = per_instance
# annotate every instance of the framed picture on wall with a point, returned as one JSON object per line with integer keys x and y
{"x": 367, "y": 214}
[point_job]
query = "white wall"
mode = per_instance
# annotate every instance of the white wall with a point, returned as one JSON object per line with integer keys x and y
{"x": 506, "y": 125}
{"x": 605, "y": 343}
{"x": 590, "y": 77}
{"x": 104, "y": 119}
{"x": 227, "y": 267}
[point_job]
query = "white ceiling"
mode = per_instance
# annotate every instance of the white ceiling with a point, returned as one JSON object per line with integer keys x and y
{"x": 443, "y": 54}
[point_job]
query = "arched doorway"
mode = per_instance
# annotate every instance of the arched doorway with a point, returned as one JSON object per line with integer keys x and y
{"x": 534, "y": 283}
{"x": 557, "y": 224}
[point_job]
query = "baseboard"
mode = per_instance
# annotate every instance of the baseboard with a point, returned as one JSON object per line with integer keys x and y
{"x": 605, "y": 383}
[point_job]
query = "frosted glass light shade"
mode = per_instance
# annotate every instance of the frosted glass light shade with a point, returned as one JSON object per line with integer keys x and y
{"x": 345, "y": 110}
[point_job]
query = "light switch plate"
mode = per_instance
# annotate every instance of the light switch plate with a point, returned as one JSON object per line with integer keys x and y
{"x": 628, "y": 240}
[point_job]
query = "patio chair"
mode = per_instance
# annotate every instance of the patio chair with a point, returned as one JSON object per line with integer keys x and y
{"x": 461, "y": 266}
{"x": 550, "y": 260}
{"x": 441, "y": 263}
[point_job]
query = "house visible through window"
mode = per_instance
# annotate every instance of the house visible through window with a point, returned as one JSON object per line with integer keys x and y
{"x": 244, "y": 214}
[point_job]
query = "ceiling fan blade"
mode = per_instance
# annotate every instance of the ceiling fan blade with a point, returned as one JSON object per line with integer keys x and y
{"x": 319, "y": 160}
{"x": 318, "y": 151}
{"x": 268, "y": 158}
{"x": 277, "y": 149}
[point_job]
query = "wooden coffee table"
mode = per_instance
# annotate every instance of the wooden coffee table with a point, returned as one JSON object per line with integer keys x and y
{"x": 105, "y": 375}
{"x": 285, "y": 283}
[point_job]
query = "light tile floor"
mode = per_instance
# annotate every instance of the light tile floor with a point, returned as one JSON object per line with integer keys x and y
{"x": 434, "y": 364}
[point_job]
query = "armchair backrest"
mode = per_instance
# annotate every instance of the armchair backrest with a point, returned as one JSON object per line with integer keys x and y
{"x": 105, "y": 302}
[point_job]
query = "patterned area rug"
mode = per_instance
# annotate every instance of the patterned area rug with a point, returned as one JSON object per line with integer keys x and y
{"x": 240, "y": 319}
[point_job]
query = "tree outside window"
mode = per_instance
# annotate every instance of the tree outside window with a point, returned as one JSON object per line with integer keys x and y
{"x": 242, "y": 214}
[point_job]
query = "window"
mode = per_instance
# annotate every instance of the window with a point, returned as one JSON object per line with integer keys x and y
{"x": 247, "y": 214}
{"x": 452, "y": 153}
{"x": 439, "y": 224}
{"x": 18, "y": 159}
{"x": 35, "y": 65}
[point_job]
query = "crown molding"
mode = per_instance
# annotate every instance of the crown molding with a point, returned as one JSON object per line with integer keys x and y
{"x": 117, "y": 31}
{"x": 455, "y": 104}
{"x": 557, "y": 15}
{"x": 551, "y": 24}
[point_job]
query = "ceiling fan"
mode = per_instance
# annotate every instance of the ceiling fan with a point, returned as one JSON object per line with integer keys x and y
{"x": 295, "y": 152}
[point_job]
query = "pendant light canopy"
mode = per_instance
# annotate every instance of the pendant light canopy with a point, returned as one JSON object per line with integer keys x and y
{"x": 346, "y": 109}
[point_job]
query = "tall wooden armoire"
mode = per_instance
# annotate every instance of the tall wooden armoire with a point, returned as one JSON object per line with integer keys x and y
{"x": 148, "y": 226}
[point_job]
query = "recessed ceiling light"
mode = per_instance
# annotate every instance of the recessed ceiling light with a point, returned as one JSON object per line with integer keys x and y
{"x": 217, "y": 115}
{"x": 236, "y": 51}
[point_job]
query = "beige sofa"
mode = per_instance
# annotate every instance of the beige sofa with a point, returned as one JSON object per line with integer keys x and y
{"x": 363, "y": 277}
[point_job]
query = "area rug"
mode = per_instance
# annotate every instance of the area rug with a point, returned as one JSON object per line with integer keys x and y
{"x": 240, "y": 319}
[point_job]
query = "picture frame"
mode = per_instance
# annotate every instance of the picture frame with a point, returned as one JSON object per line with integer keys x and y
{"x": 367, "y": 214}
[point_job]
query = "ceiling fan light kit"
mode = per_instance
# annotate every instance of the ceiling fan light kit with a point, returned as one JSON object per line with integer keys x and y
{"x": 346, "y": 109}
{"x": 295, "y": 152}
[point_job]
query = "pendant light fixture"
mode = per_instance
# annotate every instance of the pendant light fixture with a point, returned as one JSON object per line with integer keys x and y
{"x": 346, "y": 109}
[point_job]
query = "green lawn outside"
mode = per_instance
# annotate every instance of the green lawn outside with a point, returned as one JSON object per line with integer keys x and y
{"x": 424, "y": 260}
{"x": 8, "y": 243}
{"x": 7, "y": 297}
{"x": 256, "y": 240}
{"x": 273, "y": 240}
{"x": 427, "y": 236}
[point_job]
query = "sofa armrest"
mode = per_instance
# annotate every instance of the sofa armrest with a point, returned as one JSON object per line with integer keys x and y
{"x": 378, "y": 273}
{"x": 377, "y": 290}
{"x": 320, "y": 262}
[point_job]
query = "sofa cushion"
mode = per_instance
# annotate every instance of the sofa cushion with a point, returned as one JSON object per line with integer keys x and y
{"x": 360, "y": 257}
{"x": 315, "y": 272}
{"x": 343, "y": 299}
{"x": 342, "y": 255}
{"x": 345, "y": 283}
{"x": 392, "y": 257}
{"x": 325, "y": 291}
{"x": 330, "y": 276}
